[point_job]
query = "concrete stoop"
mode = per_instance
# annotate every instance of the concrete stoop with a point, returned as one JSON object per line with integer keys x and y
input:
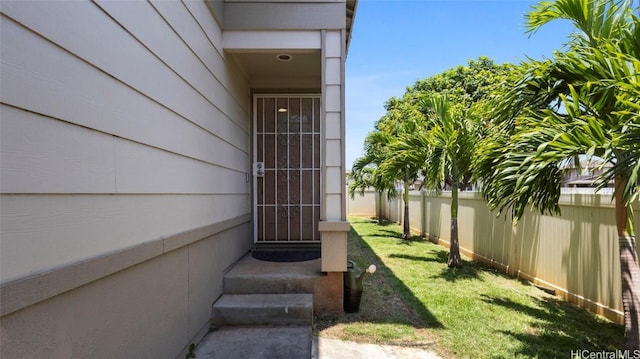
{"x": 252, "y": 276}
{"x": 266, "y": 311}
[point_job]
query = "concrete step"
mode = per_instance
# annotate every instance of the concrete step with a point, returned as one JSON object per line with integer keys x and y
{"x": 251, "y": 276}
{"x": 268, "y": 284}
{"x": 263, "y": 309}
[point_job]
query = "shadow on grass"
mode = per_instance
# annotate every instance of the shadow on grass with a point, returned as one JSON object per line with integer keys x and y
{"x": 441, "y": 257}
{"x": 559, "y": 327}
{"x": 383, "y": 223}
{"x": 410, "y": 241}
{"x": 468, "y": 270}
{"x": 386, "y": 233}
{"x": 539, "y": 326}
{"x": 385, "y": 315}
{"x": 422, "y": 317}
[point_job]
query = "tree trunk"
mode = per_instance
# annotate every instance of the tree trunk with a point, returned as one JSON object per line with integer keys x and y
{"x": 454, "y": 248}
{"x": 630, "y": 275}
{"x": 629, "y": 270}
{"x": 406, "y": 232}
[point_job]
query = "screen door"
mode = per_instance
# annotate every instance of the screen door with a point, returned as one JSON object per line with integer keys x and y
{"x": 287, "y": 168}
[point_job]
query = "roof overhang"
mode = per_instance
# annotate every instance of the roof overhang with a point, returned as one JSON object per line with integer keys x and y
{"x": 284, "y": 58}
{"x": 351, "y": 14}
{"x": 277, "y": 59}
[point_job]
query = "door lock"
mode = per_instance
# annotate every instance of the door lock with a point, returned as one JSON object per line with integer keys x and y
{"x": 258, "y": 169}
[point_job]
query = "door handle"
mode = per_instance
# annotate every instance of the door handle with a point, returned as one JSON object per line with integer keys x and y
{"x": 258, "y": 169}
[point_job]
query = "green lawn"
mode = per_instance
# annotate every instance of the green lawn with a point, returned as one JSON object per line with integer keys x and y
{"x": 473, "y": 312}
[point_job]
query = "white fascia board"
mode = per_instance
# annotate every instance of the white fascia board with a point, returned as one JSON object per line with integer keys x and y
{"x": 271, "y": 40}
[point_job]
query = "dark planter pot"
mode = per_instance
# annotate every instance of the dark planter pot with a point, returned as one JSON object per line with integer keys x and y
{"x": 352, "y": 300}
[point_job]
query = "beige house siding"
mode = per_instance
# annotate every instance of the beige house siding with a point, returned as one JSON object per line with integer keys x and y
{"x": 575, "y": 253}
{"x": 125, "y": 139}
{"x": 153, "y": 309}
{"x": 80, "y": 118}
{"x": 334, "y": 212}
{"x": 333, "y": 62}
{"x": 284, "y": 15}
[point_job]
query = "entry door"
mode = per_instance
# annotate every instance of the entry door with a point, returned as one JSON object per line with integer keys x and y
{"x": 287, "y": 168}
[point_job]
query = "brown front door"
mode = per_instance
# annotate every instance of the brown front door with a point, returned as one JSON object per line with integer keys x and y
{"x": 287, "y": 168}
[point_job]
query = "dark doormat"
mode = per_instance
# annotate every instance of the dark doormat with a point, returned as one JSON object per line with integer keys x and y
{"x": 286, "y": 255}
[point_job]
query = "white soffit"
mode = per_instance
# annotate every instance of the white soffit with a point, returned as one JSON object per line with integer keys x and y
{"x": 270, "y": 40}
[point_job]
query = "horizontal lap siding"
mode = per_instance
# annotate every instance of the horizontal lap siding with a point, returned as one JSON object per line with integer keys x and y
{"x": 121, "y": 124}
{"x": 165, "y": 302}
{"x": 45, "y": 231}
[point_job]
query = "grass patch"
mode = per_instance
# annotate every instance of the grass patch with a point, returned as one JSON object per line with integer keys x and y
{"x": 471, "y": 312}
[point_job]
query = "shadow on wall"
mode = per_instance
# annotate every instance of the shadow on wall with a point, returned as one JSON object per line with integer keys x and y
{"x": 432, "y": 212}
{"x": 583, "y": 258}
{"x": 528, "y": 251}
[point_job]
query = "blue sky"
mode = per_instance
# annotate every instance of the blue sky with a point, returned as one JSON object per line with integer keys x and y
{"x": 396, "y": 42}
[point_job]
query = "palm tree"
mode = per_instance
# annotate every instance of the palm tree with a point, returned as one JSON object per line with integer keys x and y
{"x": 401, "y": 121}
{"x": 578, "y": 103}
{"x": 452, "y": 142}
{"x": 442, "y": 148}
{"x": 627, "y": 144}
{"x": 465, "y": 85}
{"x": 366, "y": 174}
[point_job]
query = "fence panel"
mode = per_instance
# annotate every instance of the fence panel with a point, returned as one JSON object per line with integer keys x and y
{"x": 415, "y": 212}
{"x": 362, "y": 205}
{"x": 575, "y": 253}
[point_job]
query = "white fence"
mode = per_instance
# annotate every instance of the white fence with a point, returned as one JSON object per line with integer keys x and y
{"x": 576, "y": 253}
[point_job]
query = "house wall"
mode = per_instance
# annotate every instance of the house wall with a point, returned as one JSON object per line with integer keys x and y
{"x": 125, "y": 153}
{"x": 333, "y": 58}
{"x": 284, "y": 14}
{"x": 306, "y": 26}
{"x": 334, "y": 211}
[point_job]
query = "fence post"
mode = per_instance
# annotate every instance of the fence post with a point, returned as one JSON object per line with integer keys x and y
{"x": 514, "y": 255}
{"x": 423, "y": 214}
{"x": 400, "y": 209}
